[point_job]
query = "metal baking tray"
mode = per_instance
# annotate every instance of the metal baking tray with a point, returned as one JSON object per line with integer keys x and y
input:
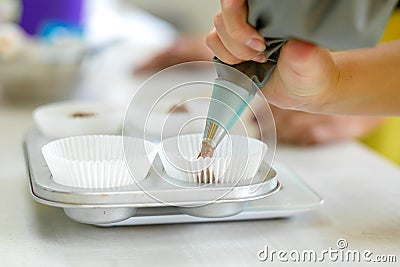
{"x": 110, "y": 206}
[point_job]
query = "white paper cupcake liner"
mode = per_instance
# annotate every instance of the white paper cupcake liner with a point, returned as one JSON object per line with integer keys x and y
{"x": 72, "y": 118}
{"x": 97, "y": 161}
{"x": 236, "y": 159}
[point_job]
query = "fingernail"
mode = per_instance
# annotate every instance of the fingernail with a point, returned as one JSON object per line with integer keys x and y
{"x": 256, "y": 44}
{"x": 260, "y": 58}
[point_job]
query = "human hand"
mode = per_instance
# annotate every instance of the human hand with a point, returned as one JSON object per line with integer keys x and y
{"x": 305, "y": 75}
{"x": 300, "y": 128}
{"x": 184, "y": 49}
{"x": 233, "y": 40}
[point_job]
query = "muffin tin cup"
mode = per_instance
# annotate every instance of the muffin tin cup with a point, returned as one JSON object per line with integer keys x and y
{"x": 237, "y": 158}
{"x": 97, "y": 161}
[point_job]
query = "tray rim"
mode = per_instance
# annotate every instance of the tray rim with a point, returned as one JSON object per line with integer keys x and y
{"x": 60, "y": 204}
{"x": 269, "y": 212}
{"x": 273, "y": 187}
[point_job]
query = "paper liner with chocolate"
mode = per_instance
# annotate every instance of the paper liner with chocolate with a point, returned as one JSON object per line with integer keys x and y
{"x": 207, "y": 151}
{"x": 228, "y": 165}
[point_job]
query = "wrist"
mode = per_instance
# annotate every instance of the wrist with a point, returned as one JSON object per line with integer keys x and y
{"x": 326, "y": 100}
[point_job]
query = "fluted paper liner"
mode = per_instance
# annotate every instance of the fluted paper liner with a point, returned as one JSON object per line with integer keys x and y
{"x": 237, "y": 158}
{"x": 97, "y": 161}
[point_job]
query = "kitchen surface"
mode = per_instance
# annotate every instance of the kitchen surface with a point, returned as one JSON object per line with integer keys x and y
{"x": 335, "y": 203}
{"x": 359, "y": 188}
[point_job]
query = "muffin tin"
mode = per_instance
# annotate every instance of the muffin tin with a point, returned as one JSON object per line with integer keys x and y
{"x": 130, "y": 206}
{"x": 113, "y": 205}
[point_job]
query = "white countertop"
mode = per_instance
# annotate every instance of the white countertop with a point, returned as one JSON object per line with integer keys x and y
{"x": 360, "y": 189}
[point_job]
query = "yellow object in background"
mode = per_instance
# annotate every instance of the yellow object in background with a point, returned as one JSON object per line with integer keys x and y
{"x": 392, "y": 31}
{"x": 386, "y": 138}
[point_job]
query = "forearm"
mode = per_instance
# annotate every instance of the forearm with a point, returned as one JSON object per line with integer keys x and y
{"x": 369, "y": 81}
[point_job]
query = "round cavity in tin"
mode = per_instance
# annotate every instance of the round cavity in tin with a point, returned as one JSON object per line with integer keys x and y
{"x": 99, "y": 215}
{"x": 216, "y": 210}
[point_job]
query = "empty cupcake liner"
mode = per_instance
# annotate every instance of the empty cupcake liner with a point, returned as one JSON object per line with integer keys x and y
{"x": 237, "y": 158}
{"x": 97, "y": 161}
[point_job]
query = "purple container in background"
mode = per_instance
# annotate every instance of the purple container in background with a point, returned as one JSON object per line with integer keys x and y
{"x": 36, "y": 13}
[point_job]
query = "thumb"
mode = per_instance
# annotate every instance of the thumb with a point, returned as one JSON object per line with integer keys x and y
{"x": 305, "y": 72}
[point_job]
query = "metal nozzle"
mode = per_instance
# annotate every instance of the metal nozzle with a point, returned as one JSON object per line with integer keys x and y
{"x": 213, "y": 133}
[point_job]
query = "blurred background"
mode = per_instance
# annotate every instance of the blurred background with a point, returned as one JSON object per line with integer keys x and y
{"x": 53, "y": 50}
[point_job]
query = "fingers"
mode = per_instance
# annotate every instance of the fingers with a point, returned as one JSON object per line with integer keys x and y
{"x": 215, "y": 44}
{"x": 158, "y": 62}
{"x": 291, "y": 129}
{"x": 233, "y": 40}
{"x": 234, "y": 46}
{"x": 302, "y": 128}
{"x": 307, "y": 129}
{"x": 234, "y": 13}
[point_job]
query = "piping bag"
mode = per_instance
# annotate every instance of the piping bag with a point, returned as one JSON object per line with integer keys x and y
{"x": 232, "y": 94}
{"x": 335, "y": 24}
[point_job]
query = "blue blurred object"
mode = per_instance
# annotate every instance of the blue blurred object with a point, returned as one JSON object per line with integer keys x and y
{"x": 51, "y": 30}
